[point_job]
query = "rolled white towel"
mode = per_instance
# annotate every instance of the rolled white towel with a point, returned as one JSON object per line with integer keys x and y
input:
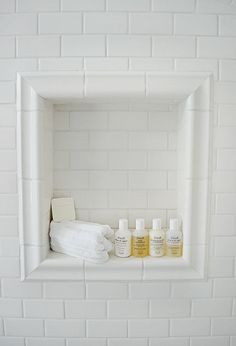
{"x": 82, "y": 238}
{"x": 88, "y": 255}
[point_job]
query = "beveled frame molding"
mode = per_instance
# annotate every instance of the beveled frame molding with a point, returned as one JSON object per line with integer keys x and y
{"x": 36, "y": 93}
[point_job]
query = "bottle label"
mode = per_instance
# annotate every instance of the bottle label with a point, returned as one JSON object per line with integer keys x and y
{"x": 174, "y": 243}
{"x": 157, "y": 246}
{"x": 140, "y": 246}
{"x": 122, "y": 246}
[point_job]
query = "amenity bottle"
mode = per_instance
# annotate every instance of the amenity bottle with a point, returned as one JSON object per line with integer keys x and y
{"x": 156, "y": 239}
{"x": 123, "y": 239}
{"x": 174, "y": 239}
{"x": 140, "y": 240}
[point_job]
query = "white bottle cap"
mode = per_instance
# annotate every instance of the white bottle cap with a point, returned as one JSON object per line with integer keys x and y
{"x": 156, "y": 224}
{"x": 174, "y": 224}
{"x": 140, "y": 224}
{"x": 123, "y": 224}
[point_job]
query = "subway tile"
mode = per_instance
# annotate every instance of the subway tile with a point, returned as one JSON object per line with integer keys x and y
{"x": 149, "y": 290}
{"x": 8, "y": 226}
{"x": 214, "y": 6}
{"x": 128, "y": 309}
{"x": 83, "y": 5}
{"x": 193, "y": 24}
{"x": 38, "y": 6}
{"x": 224, "y": 287}
{"x": 226, "y": 159}
{"x": 173, "y": 46}
{"x": 108, "y": 180}
{"x": 60, "y": 64}
{"x": 9, "y": 247}
{"x": 227, "y": 25}
{"x": 225, "y": 246}
{"x": 7, "y": 6}
{"x": 147, "y": 140}
{"x": 80, "y": 45}
{"x": 18, "y": 24}
{"x": 13, "y": 288}
{"x": 212, "y": 47}
{"x": 38, "y": 46}
{"x": 210, "y": 341}
{"x": 128, "y": 5}
{"x": 129, "y": 45}
{"x": 45, "y": 342}
{"x": 8, "y": 182}
{"x": 226, "y": 203}
{"x": 224, "y": 181}
{"x": 211, "y": 307}
{"x": 86, "y": 199}
{"x": 8, "y": 205}
{"x": 127, "y": 199}
{"x": 151, "y": 64}
{"x": 9, "y": 267}
{"x": 226, "y": 116}
{"x": 61, "y": 121}
{"x": 106, "y": 328}
{"x": 7, "y": 44}
{"x": 61, "y": 160}
{"x": 162, "y": 308}
{"x": 108, "y": 140}
{"x": 86, "y": 342}
{"x": 201, "y": 65}
{"x": 162, "y": 121}
{"x": 128, "y": 160}
{"x": 71, "y": 140}
{"x": 128, "y": 342}
{"x": 10, "y": 67}
{"x": 107, "y": 23}
{"x": 65, "y": 328}
{"x": 88, "y": 120}
{"x": 108, "y": 290}
{"x": 9, "y": 341}
{"x": 148, "y": 328}
{"x": 225, "y": 137}
{"x": 191, "y": 289}
{"x": 170, "y": 341}
{"x": 173, "y": 5}
{"x": 221, "y": 267}
{"x": 10, "y": 308}
{"x": 162, "y": 199}
{"x": 151, "y": 23}
{"x": 146, "y": 180}
{"x": 162, "y": 160}
{"x": 7, "y": 92}
{"x": 86, "y": 309}
{"x": 228, "y": 72}
{"x": 70, "y": 180}
{"x": 60, "y": 23}
{"x": 88, "y": 160}
{"x": 106, "y": 64}
{"x": 225, "y": 92}
{"x": 63, "y": 290}
{"x": 23, "y": 327}
{"x": 135, "y": 121}
{"x": 190, "y": 327}
{"x": 224, "y": 326}
{"x": 43, "y": 309}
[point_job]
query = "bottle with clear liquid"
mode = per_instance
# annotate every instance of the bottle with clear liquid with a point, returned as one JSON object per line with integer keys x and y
{"x": 156, "y": 239}
{"x": 123, "y": 239}
{"x": 174, "y": 239}
{"x": 140, "y": 240}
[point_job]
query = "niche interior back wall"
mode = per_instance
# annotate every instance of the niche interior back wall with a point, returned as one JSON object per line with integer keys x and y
{"x": 157, "y": 35}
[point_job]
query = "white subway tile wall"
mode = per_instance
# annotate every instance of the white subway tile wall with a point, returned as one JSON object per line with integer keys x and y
{"x": 120, "y": 163}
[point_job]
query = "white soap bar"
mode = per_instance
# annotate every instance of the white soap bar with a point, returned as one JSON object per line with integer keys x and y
{"x": 63, "y": 209}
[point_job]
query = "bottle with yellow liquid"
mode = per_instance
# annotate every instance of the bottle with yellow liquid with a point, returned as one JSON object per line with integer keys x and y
{"x": 174, "y": 239}
{"x": 140, "y": 240}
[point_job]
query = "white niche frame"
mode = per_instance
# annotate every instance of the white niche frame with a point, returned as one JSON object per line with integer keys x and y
{"x": 36, "y": 93}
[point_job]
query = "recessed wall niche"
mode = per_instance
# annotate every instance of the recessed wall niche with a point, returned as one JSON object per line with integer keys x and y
{"x": 123, "y": 145}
